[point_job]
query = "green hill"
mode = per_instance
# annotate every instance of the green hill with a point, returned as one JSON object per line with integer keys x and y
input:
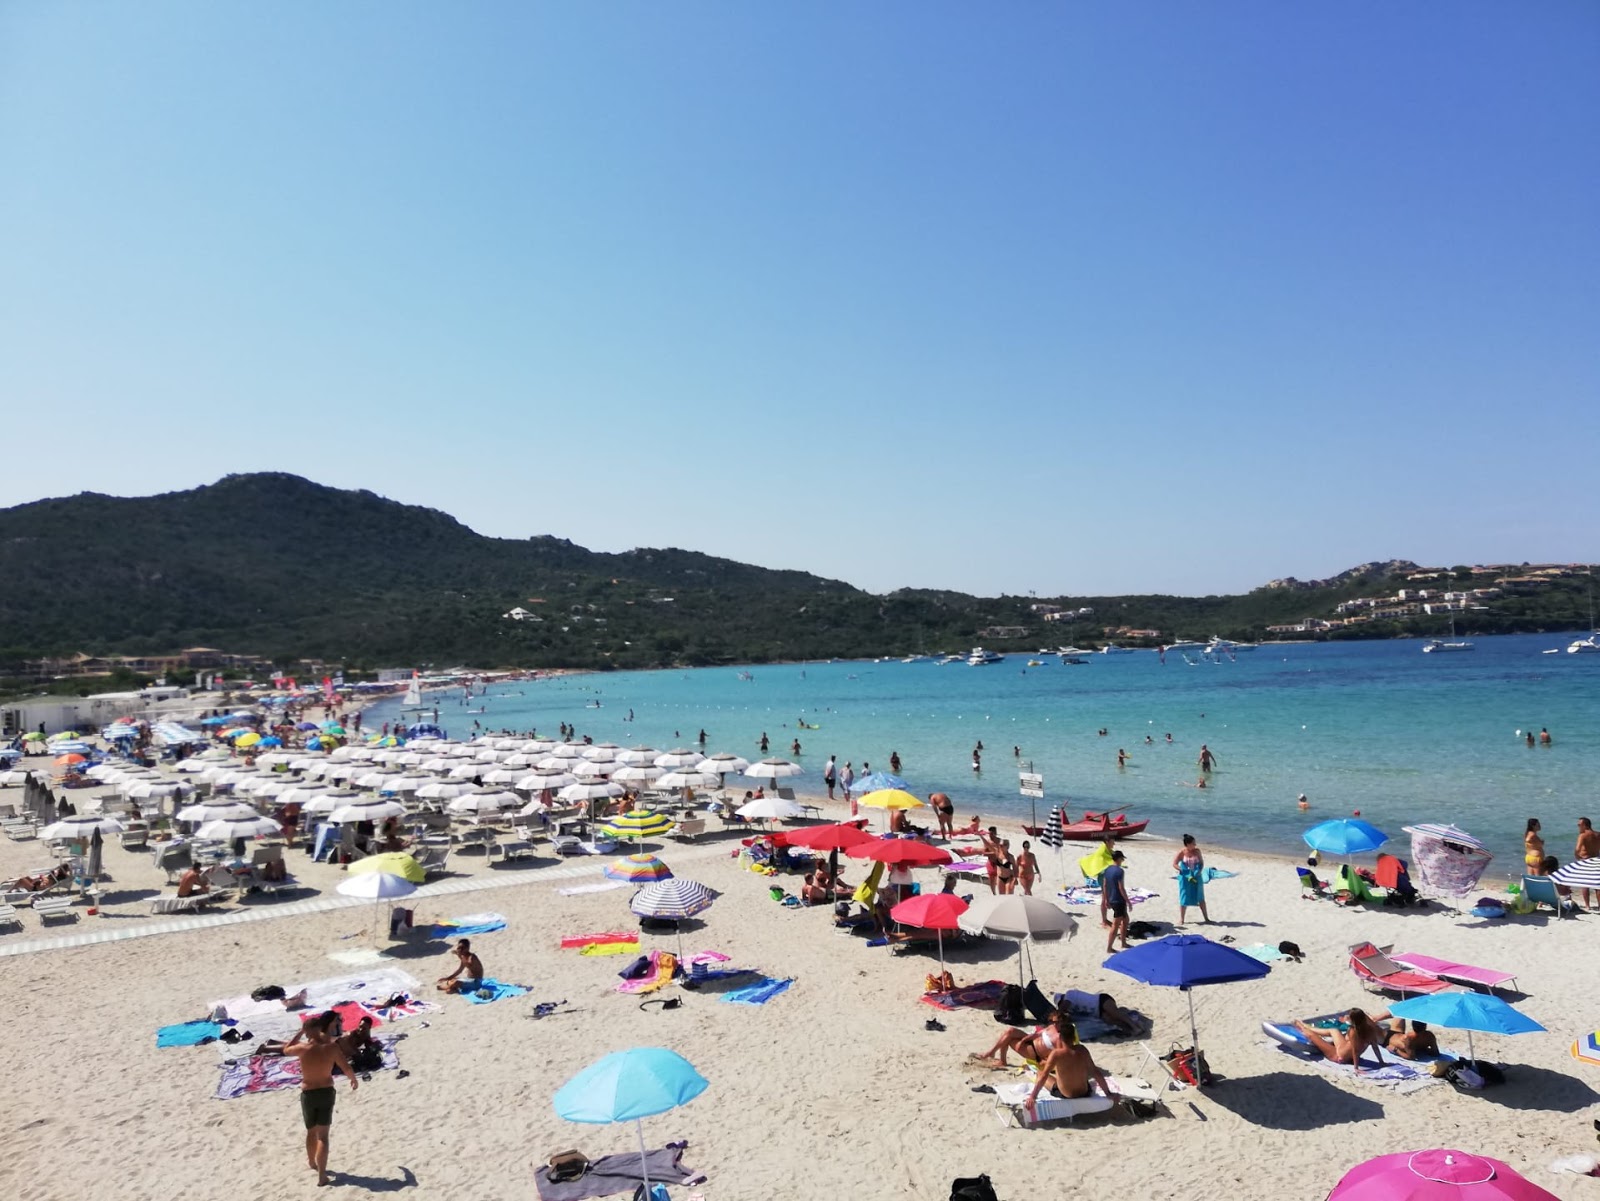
{"x": 276, "y": 565}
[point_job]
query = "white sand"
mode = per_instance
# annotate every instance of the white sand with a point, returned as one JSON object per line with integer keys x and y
{"x": 833, "y": 1089}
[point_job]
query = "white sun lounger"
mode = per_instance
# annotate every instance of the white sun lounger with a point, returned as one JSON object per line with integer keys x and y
{"x": 51, "y": 908}
{"x": 1010, "y": 1101}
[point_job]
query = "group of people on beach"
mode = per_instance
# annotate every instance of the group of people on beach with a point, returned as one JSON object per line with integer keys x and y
{"x": 1538, "y": 863}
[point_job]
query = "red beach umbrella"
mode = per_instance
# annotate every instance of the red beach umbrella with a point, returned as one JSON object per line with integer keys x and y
{"x": 838, "y": 837}
{"x": 899, "y": 852}
{"x": 936, "y": 911}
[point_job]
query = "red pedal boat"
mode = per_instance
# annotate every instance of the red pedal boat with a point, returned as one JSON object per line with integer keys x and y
{"x": 1094, "y": 827}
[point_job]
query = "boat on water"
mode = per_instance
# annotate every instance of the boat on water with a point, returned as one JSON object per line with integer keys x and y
{"x": 1064, "y": 651}
{"x": 1094, "y": 827}
{"x": 1111, "y": 648}
{"x": 1184, "y": 645}
{"x": 1435, "y": 645}
{"x": 1585, "y": 646}
{"x": 982, "y": 658}
{"x": 1226, "y": 646}
{"x": 1074, "y": 660}
{"x": 947, "y": 659}
{"x": 413, "y": 698}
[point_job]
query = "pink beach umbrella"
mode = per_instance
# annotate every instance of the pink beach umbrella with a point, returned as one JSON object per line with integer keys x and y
{"x": 1440, "y": 1175}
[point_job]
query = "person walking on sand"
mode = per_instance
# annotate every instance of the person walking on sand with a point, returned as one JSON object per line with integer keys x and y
{"x": 1190, "y": 865}
{"x": 945, "y": 810}
{"x": 319, "y": 1055}
{"x": 1027, "y": 868}
{"x": 1114, "y": 889}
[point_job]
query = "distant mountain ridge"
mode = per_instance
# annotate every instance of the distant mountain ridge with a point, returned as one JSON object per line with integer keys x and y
{"x": 277, "y": 565}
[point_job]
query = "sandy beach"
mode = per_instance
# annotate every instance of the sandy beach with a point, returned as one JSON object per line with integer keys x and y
{"x": 833, "y": 1087}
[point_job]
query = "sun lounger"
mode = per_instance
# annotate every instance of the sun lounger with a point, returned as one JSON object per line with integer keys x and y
{"x": 1378, "y": 971}
{"x": 172, "y": 903}
{"x": 1010, "y": 1099}
{"x": 1456, "y": 973}
{"x": 52, "y": 908}
{"x": 688, "y": 829}
{"x": 8, "y": 917}
{"x": 509, "y": 849}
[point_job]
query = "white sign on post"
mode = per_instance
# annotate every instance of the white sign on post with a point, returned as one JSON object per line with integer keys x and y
{"x": 1032, "y": 785}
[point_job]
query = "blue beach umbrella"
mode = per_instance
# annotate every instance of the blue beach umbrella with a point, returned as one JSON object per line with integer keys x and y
{"x": 629, "y": 1086}
{"x": 1186, "y": 961}
{"x": 1344, "y": 837}
{"x": 878, "y": 781}
{"x": 1467, "y": 1011}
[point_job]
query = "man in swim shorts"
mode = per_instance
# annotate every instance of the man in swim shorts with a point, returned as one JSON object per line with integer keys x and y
{"x": 319, "y": 1055}
{"x": 468, "y": 976}
{"x": 1114, "y": 894}
{"x": 1067, "y": 1070}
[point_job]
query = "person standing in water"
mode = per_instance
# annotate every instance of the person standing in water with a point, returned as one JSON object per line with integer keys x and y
{"x": 1207, "y": 759}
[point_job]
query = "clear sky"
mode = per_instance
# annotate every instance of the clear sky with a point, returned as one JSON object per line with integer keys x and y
{"x": 1055, "y": 297}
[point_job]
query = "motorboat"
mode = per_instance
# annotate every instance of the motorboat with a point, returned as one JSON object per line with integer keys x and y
{"x": 1585, "y": 646}
{"x": 1074, "y": 660}
{"x": 1064, "y": 651}
{"x": 1226, "y": 646}
{"x": 1111, "y": 648}
{"x": 982, "y": 658}
{"x": 1434, "y": 645}
{"x": 1184, "y": 645}
{"x": 1094, "y": 827}
{"x": 948, "y": 659}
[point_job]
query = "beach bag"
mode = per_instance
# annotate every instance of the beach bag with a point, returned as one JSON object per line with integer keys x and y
{"x": 658, "y": 1192}
{"x": 972, "y": 1188}
{"x": 636, "y": 969}
{"x": 1036, "y": 1003}
{"x": 1009, "y": 1011}
{"x": 399, "y": 922}
{"x": 268, "y": 992}
{"x": 1188, "y": 1067}
{"x": 568, "y": 1165}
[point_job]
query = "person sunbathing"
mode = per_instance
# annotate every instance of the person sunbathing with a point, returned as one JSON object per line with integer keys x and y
{"x": 468, "y": 976}
{"x": 1417, "y": 1043}
{"x": 1113, "y": 1014}
{"x": 43, "y": 880}
{"x": 1067, "y": 1070}
{"x": 822, "y": 889}
{"x": 1346, "y": 1045}
{"x": 1035, "y": 1046}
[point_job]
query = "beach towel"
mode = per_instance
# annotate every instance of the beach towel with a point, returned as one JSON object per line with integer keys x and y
{"x": 615, "y": 1174}
{"x": 408, "y": 1007}
{"x": 663, "y": 966}
{"x": 1379, "y": 1068}
{"x": 489, "y": 991}
{"x": 1090, "y": 895}
{"x": 584, "y": 940}
{"x": 378, "y": 984}
{"x": 1264, "y": 952}
{"x": 270, "y": 1073}
{"x": 187, "y": 1034}
{"x": 1085, "y": 1010}
{"x": 470, "y": 926}
{"x": 975, "y": 996}
{"x": 758, "y": 993}
{"x": 610, "y": 948}
{"x": 350, "y": 1014}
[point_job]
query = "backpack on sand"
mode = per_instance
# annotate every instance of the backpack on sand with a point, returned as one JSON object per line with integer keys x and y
{"x": 972, "y": 1188}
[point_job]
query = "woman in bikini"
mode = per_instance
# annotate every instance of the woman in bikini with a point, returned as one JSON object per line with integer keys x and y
{"x": 1033, "y": 1047}
{"x": 1027, "y": 868}
{"x": 1005, "y": 870}
{"x": 1345, "y": 1046}
{"x": 1533, "y": 848}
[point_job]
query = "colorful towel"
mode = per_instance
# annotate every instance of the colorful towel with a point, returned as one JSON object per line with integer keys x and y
{"x": 270, "y": 1073}
{"x": 975, "y": 996}
{"x": 610, "y": 948}
{"x": 187, "y": 1034}
{"x": 409, "y": 1007}
{"x": 350, "y": 1014}
{"x": 1086, "y": 895}
{"x": 759, "y": 993}
{"x": 1395, "y": 1073}
{"x": 663, "y": 966}
{"x": 470, "y": 926}
{"x": 492, "y": 990}
{"x": 585, "y": 940}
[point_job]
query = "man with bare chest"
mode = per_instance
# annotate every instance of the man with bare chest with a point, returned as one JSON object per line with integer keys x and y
{"x": 318, "y": 1054}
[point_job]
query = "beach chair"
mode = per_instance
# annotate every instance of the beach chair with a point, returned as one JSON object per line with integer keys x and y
{"x": 1351, "y": 882}
{"x": 688, "y": 829}
{"x": 509, "y": 849}
{"x": 173, "y": 903}
{"x": 52, "y": 909}
{"x": 1541, "y": 890}
{"x": 480, "y": 837}
{"x": 1378, "y": 971}
{"x": 8, "y": 917}
{"x": 1310, "y": 886}
{"x": 1456, "y": 973}
{"x": 135, "y": 837}
{"x": 1010, "y": 1099}
{"x": 431, "y": 859}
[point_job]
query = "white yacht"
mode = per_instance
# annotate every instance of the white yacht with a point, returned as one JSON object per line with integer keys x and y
{"x": 1111, "y": 648}
{"x": 981, "y": 658}
{"x": 1585, "y": 646}
{"x": 1438, "y": 644}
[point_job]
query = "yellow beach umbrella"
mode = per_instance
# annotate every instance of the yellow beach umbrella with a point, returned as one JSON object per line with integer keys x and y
{"x": 247, "y": 739}
{"x": 396, "y": 863}
{"x": 639, "y": 823}
{"x": 891, "y": 798}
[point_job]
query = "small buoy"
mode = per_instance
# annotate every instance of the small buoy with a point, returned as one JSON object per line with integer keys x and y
{"x": 1357, "y": 813}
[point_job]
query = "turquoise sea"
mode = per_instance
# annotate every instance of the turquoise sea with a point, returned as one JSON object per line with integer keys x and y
{"x": 1378, "y": 727}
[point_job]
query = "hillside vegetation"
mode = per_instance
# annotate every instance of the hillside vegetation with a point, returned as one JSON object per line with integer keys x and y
{"x": 276, "y": 565}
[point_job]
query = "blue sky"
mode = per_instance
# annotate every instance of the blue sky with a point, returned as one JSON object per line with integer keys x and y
{"x": 1065, "y": 298}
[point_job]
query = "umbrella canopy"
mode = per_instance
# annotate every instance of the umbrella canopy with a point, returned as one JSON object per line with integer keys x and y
{"x": 247, "y": 740}
{"x": 723, "y": 763}
{"x": 679, "y": 757}
{"x": 217, "y": 811}
{"x": 638, "y": 823}
{"x": 1445, "y": 860}
{"x": 684, "y": 778}
{"x": 833, "y": 837}
{"x": 629, "y": 1086}
{"x": 592, "y": 790}
{"x": 1345, "y": 836}
{"x": 672, "y": 900}
{"x": 484, "y": 802}
{"x": 1469, "y": 1011}
{"x": 902, "y": 852}
{"x": 69, "y": 760}
{"x": 80, "y": 827}
{"x": 376, "y": 886}
{"x": 443, "y": 790}
{"x": 590, "y": 769}
{"x": 877, "y": 781}
{"x": 1186, "y": 961}
{"x": 890, "y": 798}
{"x": 1587, "y": 1048}
{"x": 1441, "y": 1175}
{"x": 391, "y": 863}
{"x": 1017, "y": 916}
{"x": 638, "y": 756}
{"x": 367, "y": 811}
{"x": 637, "y": 773}
{"x": 638, "y": 869}
{"x": 769, "y": 807}
{"x": 936, "y": 911}
{"x": 145, "y": 789}
{"x": 1579, "y": 873}
{"x": 774, "y": 769}
{"x": 228, "y": 829}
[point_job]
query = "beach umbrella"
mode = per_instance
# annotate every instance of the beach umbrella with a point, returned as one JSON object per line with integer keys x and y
{"x": 13, "y": 779}
{"x": 334, "y": 728}
{"x": 638, "y": 869}
{"x": 638, "y": 773}
{"x": 679, "y": 757}
{"x": 1469, "y": 1011}
{"x": 683, "y": 777}
{"x": 722, "y": 765}
{"x": 1445, "y": 860}
{"x": 484, "y": 802}
{"x": 772, "y": 769}
{"x": 233, "y": 829}
{"x": 1345, "y": 836}
{"x": 33, "y": 736}
{"x": 378, "y": 887}
{"x": 1439, "y": 1175}
{"x": 71, "y": 760}
{"x": 901, "y": 852}
{"x": 629, "y": 1086}
{"x": 1579, "y": 873}
{"x": 769, "y": 808}
{"x": 442, "y": 790}
{"x": 936, "y": 911}
{"x": 889, "y": 799}
{"x": 589, "y": 769}
{"x": 541, "y": 780}
{"x": 246, "y": 740}
{"x": 878, "y": 781}
{"x": 1020, "y": 918}
{"x": 833, "y": 838}
{"x": 638, "y": 756}
{"x": 638, "y": 823}
{"x": 370, "y": 809}
{"x": 672, "y": 901}
{"x": 142, "y": 790}
{"x": 218, "y": 811}
{"x": 271, "y": 740}
{"x": 566, "y": 750}
{"x": 394, "y": 863}
{"x": 603, "y": 752}
{"x": 1186, "y": 961}
{"x": 80, "y": 826}
{"x": 1587, "y": 1048}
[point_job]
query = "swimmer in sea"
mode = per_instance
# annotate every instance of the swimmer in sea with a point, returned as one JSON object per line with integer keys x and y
{"x": 1302, "y": 802}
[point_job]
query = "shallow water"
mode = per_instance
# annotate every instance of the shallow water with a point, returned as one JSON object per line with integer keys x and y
{"x": 1377, "y": 727}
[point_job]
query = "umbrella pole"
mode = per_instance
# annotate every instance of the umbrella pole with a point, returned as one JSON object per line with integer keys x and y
{"x": 940, "y": 933}
{"x": 1194, "y": 1033}
{"x": 644, "y": 1169}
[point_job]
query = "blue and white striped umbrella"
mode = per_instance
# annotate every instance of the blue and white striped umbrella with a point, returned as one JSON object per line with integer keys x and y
{"x": 671, "y": 900}
{"x": 1446, "y": 834}
{"x": 1580, "y": 873}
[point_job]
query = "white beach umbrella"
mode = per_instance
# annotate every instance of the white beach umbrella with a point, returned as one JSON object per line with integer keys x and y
{"x": 212, "y": 811}
{"x": 507, "y": 744}
{"x": 484, "y": 802}
{"x": 504, "y": 775}
{"x": 567, "y": 750}
{"x": 544, "y": 778}
{"x": 159, "y": 789}
{"x": 327, "y": 802}
{"x": 517, "y": 759}
{"x": 468, "y": 770}
{"x": 81, "y": 826}
{"x": 13, "y": 779}
{"x": 438, "y": 767}
{"x": 227, "y": 831}
{"x": 773, "y": 769}
{"x": 537, "y": 746}
{"x": 601, "y": 752}
{"x": 686, "y": 779}
{"x": 299, "y": 794}
{"x": 590, "y": 791}
{"x": 1018, "y": 917}
{"x": 276, "y": 759}
{"x": 375, "y": 779}
{"x": 1578, "y": 873}
{"x": 589, "y": 769}
{"x": 443, "y": 790}
{"x": 638, "y": 773}
{"x": 636, "y": 756}
{"x": 769, "y": 808}
{"x": 462, "y": 751}
{"x": 722, "y": 764}
{"x": 193, "y": 766}
{"x": 269, "y": 787}
{"x": 304, "y": 763}
{"x": 488, "y": 755}
{"x": 377, "y": 887}
{"x": 342, "y": 754}
{"x": 367, "y": 810}
{"x": 680, "y": 757}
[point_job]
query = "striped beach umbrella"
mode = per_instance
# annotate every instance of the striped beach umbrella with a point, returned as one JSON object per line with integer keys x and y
{"x": 638, "y": 823}
{"x": 638, "y": 869}
{"x": 1580, "y": 873}
{"x": 1052, "y": 830}
{"x": 1587, "y": 1048}
{"x": 672, "y": 900}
